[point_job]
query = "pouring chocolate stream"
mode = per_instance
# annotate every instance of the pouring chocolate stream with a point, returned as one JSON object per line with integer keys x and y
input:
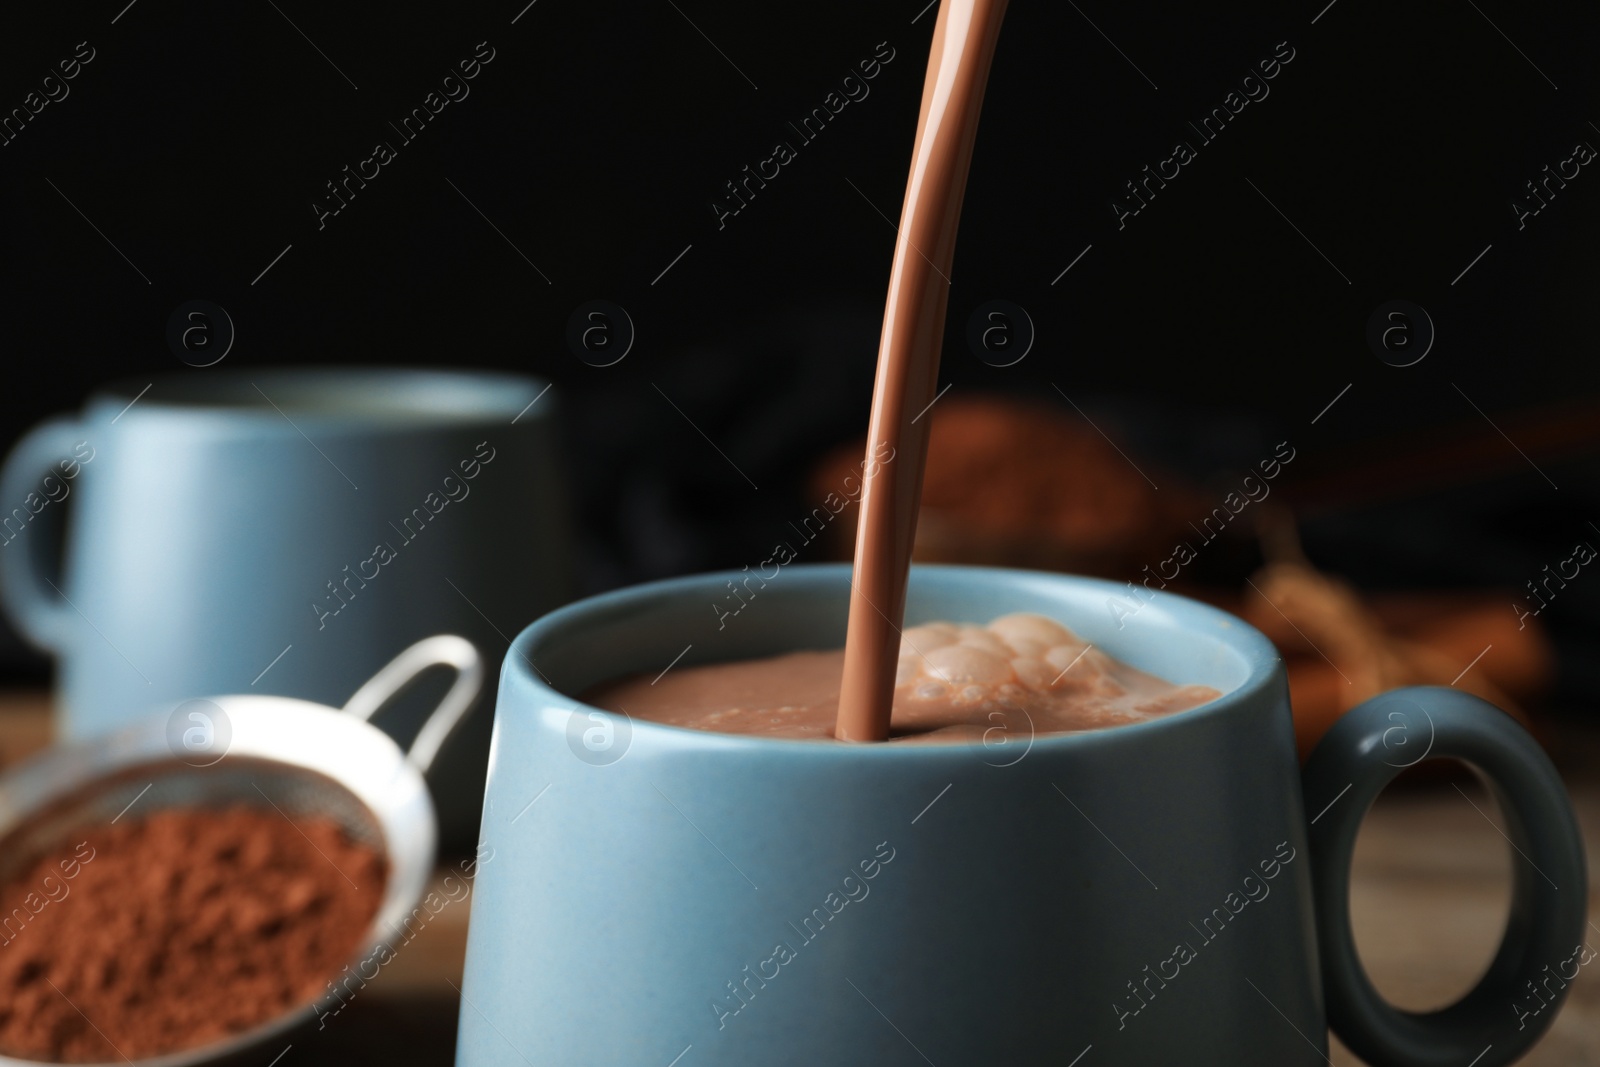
{"x": 908, "y": 359}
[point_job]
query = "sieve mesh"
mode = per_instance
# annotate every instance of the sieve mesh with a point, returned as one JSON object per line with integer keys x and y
{"x": 299, "y": 758}
{"x": 136, "y": 792}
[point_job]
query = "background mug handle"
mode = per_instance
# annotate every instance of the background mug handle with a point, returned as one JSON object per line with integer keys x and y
{"x": 1515, "y": 1002}
{"x": 31, "y": 543}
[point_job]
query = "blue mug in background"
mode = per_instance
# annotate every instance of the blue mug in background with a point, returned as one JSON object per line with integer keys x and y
{"x": 283, "y": 531}
{"x": 1167, "y": 892}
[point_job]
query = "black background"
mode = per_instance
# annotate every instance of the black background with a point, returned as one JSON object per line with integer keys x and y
{"x": 200, "y": 135}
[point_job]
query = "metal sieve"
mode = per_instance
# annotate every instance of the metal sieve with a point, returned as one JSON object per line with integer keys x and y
{"x": 301, "y": 757}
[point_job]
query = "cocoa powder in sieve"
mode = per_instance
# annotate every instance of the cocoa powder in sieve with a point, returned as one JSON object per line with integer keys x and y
{"x": 177, "y": 930}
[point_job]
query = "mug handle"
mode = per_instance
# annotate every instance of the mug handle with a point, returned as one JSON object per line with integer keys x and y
{"x": 30, "y": 571}
{"x": 441, "y": 650}
{"x": 1503, "y": 1015}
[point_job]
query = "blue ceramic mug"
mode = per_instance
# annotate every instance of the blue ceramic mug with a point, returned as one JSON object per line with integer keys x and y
{"x": 283, "y": 531}
{"x": 1166, "y": 892}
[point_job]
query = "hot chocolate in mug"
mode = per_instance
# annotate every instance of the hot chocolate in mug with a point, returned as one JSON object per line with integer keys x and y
{"x": 1171, "y": 891}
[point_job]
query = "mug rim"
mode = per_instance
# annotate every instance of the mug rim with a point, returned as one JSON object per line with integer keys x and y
{"x": 494, "y": 394}
{"x": 1261, "y": 658}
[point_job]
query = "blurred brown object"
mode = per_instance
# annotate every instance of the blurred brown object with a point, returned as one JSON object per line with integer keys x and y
{"x": 1341, "y": 648}
{"x": 1022, "y": 484}
{"x": 25, "y": 724}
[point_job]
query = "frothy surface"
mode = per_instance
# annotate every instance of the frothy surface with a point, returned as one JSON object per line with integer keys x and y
{"x": 1029, "y": 671}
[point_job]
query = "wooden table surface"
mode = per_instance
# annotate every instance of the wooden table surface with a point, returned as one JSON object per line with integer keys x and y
{"x": 1429, "y": 894}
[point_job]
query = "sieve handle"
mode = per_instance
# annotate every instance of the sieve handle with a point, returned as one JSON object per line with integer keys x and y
{"x": 441, "y": 650}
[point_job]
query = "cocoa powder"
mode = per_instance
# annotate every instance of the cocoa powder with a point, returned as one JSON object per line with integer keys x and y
{"x": 177, "y": 930}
